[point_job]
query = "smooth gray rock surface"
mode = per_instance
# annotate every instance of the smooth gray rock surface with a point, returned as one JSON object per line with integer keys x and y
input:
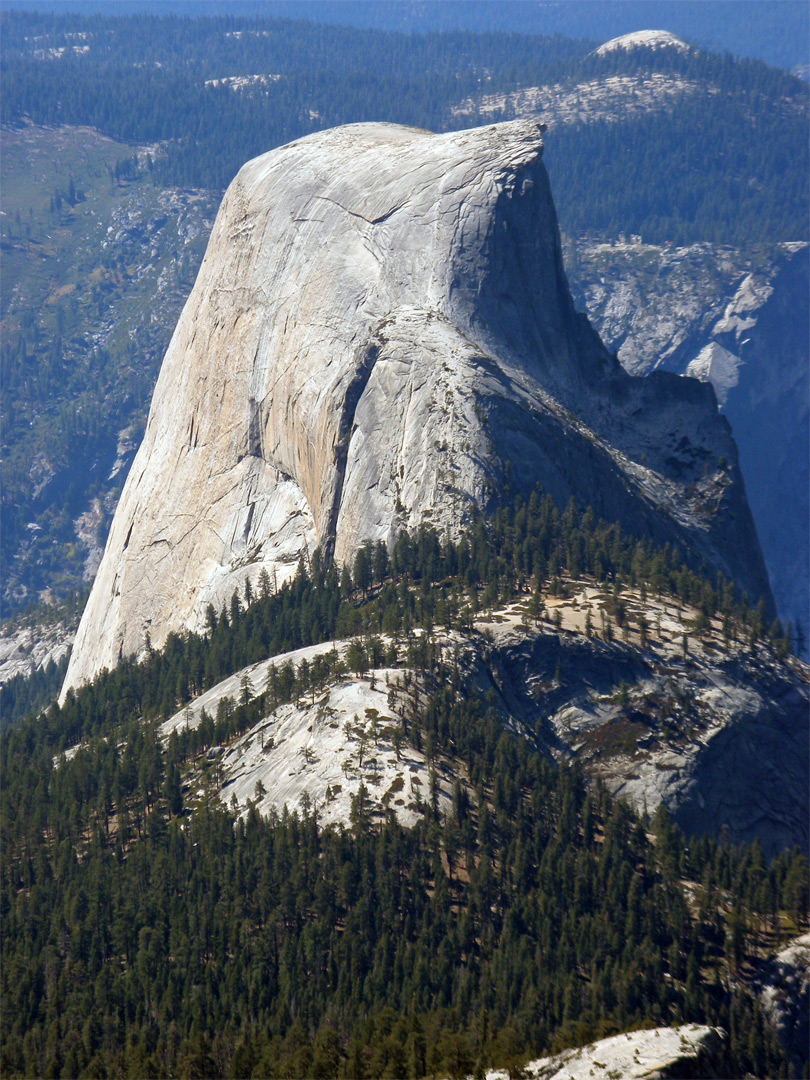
{"x": 652, "y": 1054}
{"x": 381, "y": 335}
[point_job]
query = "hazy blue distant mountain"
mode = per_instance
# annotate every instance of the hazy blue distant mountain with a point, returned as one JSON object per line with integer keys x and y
{"x": 776, "y": 31}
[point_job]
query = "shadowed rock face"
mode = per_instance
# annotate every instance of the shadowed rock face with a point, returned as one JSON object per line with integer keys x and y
{"x": 783, "y": 987}
{"x": 380, "y": 333}
{"x": 738, "y": 319}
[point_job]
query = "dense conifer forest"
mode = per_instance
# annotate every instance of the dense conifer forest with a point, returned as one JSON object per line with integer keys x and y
{"x": 143, "y": 938}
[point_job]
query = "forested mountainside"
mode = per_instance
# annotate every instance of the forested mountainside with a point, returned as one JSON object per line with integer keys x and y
{"x": 152, "y": 925}
{"x": 218, "y": 91}
{"x": 742, "y": 27}
{"x": 92, "y": 287}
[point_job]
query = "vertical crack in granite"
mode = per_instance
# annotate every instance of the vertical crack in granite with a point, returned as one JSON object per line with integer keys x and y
{"x": 354, "y": 392}
{"x": 254, "y": 440}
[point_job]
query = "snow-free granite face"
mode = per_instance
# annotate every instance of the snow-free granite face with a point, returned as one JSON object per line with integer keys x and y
{"x": 652, "y": 1054}
{"x": 380, "y": 335}
{"x": 643, "y": 39}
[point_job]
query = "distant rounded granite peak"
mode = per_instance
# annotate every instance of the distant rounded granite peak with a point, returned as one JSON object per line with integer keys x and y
{"x": 642, "y": 39}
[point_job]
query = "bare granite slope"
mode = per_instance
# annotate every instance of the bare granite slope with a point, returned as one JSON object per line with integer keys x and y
{"x": 706, "y": 724}
{"x": 652, "y": 1054}
{"x": 381, "y": 335}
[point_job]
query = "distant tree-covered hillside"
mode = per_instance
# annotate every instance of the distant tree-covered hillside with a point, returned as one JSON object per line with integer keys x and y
{"x": 729, "y": 164}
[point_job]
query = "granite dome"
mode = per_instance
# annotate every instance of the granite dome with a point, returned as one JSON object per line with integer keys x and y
{"x": 381, "y": 335}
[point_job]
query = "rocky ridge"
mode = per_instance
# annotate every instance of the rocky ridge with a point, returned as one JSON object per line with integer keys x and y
{"x": 715, "y": 732}
{"x": 698, "y": 721}
{"x": 26, "y": 649}
{"x": 428, "y": 358}
{"x": 653, "y": 1054}
{"x": 319, "y": 751}
{"x": 614, "y": 98}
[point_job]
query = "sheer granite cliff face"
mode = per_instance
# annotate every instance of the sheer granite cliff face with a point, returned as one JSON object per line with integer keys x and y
{"x": 381, "y": 335}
